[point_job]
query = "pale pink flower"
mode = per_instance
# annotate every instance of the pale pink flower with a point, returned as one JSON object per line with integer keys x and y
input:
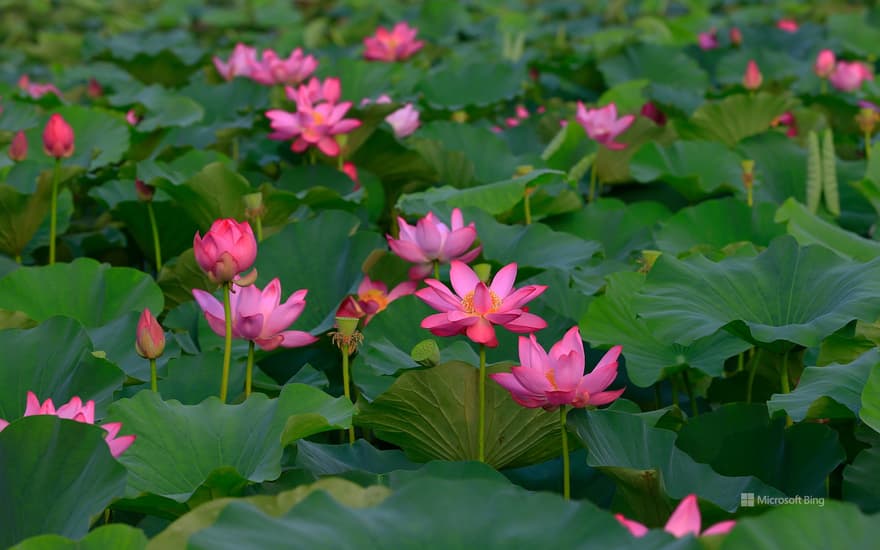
{"x": 397, "y": 45}
{"x": 752, "y": 78}
{"x": 557, "y": 379}
{"x": 708, "y": 40}
{"x": 431, "y": 240}
{"x": 132, "y": 117}
{"x": 824, "y": 65}
{"x": 475, "y": 308}
{"x": 404, "y": 121}
{"x": 685, "y": 520}
{"x": 787, "y": 25}
{"x": 272, "y": 69}
{"x": 848, "y": 76}
{"x": 240, "y": 62}
{"x": 373, "y": 297}
{"x": 258, "y": 315}
{"x": 603, "y": 125}
{"x": 228, "y": 249}
{"x": 383, "y": 99}
{"x": 35, "y": 89}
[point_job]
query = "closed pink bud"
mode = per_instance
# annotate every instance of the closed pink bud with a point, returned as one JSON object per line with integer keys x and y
{"x": 752, "y": 78}
{"x": 19, "y": 146}
{"x": 824, "y": 63}
{"x": 58, "y": 137}
{"x": 227, "y": 249}
{"x": 150, "y": 342}
{"x": 94, "y": 89}
{"x": 144, "y": 191}
{"x": 736, "y": 36}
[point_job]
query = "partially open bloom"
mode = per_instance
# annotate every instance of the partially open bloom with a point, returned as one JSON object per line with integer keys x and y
{"x": 431, "y": 240}
{"x": 240, "y": 62}
{"x": 58, "y": 137}
{"x": 330, "y": 90}
{"x": 373, "y": 297}
{"x": 227, "y": 249}
{"x": 752, "y": 78}
{"x": 404, "y": 121}
{"x": 397, "y": 45}
{"x": 685, "y": 520}
{"x": 848, "y": 76}
{"x": 786, "y": 119}
{"x": 557, "y": 379}
{"x": 824, "y": 65}
{"x": 77, "y": 411}
{"x": 35, "y": 89}
{"x": 19, "y": 146}
{"x": 603, "y": 125}
{"x": 787, "y": 25}
{"x": 258, "y": 315}
{"x": 708, "y": 40}
{"x": 475, "y": 308}
{"x": 274, "y": 70}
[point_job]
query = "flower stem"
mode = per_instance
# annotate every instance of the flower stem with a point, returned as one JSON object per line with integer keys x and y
{"x": 593, "y": 178}
{"x": 482, "y": 425}
{"x": 227, "y": 350}
{"x": 346, "y": 383}
{"x": 437, "y": 269}
{"x": 690, "y": 392}
{"x": 259, "y": 224}
{"x": 154, "y": 383}
{"x": 156, "y": 247}
{"x": 249, "y": 372}
{"x": 527, "y": 206}
{"x": 739, "y": 362}
{"x": 753, "y": 369}
{"x": 783, "y": 378}
{"x": 566, "y": 465}
{"x": 53, "y": 211}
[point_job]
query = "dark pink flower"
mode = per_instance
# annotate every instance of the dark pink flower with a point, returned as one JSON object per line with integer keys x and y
{"x": 787, "y": 25}
{"x": 58, "y": 137}
{"x": 228, "y": 249}
{"x": 708, "y": 40}
{"x": 603, "y": 125}
{"x": 651, "y": 111}
{"x": 373, "y": 297}
{"x": 19, "y": 147}
{"x": 431, "y": 240}
{"x": 736, "y": 36}
{"x": 685, "y": 520}
{"x": 397, "y": 45}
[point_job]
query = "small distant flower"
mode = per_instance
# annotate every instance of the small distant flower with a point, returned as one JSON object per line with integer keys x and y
{"x": 144, "y": 191}
{"x": 404, "y": 121}
{"x": 431, "y": 240}
{"x": 58, "y": 137}
{"x": 373, "y": 297}
{"x": 383, "y": 99}
{"x": 521, "y": 114}
{"x": 651, "y": 111}
{"x": 708, "y": 40}
{"x": 786, "y": 119}
{"x": 291, "y": 71}
{"x": 77, "y": 411}
{"x": 824, "y": 65}
{"x": 19, "y": 147}
{"x": 36, "y": 90}
{"x": 150, "y": 338}
{"x": 94, "y": 89}
{"x": 397, "y": 45}
{"x": 475, "y": 308}
{"x": 848, "y": 76}
{"x": 752, "y": 78}
{"x": 787, "y": 25}
{"x": 228, "y": 249}
{"x": 132, "y": 117}
{"x": 557, "y": 379}
{"x": 258, "y": 315}
{"x": 603, "y": 125}
{"x": 240, "y": 63}
{"x": 736, "y": 36}
{"x": 350, "y": 170}
{"x": 685, "y": 520}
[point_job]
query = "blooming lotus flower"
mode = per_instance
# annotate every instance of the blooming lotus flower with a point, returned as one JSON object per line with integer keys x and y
{"x": 397, "y": 45}
{"x": 787, "y": 25}
{"x": 77, "y": 411}
{"x": 685, "y": 520}
{"x": 824, "y": 65}
{"x": 313, "y": 126}
{"x": 35, "y": 89}
{"x": 430, "y": 240}
{"x": 475, "y": 308}
{"x": 372, "y": 297}
{"x": 315, "y": 91}
{"x": 736, "y": 36}
{"x": 19, "y": 147}
{"x": 241, "y": 62}
{"x": 557, "y": 379}
{"x": 651, "y": 111}
{"x": 258, "y": 315}
{"x": 227, "y": 249}
{"x": 603, "y": 125}
{"x": 752, "y": 78}
{"x": 849, "y": 76}
{"x": 274, "y": 70}
{"x": 58, "y": 137}
{"x": 150, "y": 341}
{"x": 404, "y": 121}
{"x": 708, "y": 40}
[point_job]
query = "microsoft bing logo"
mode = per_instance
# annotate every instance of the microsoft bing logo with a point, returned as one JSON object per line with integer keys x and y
{"x": 747, "y": 500}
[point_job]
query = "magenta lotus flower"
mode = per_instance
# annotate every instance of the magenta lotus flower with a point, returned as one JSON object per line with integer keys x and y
{"x": 291, "y": 71}
{"x": 35, "y": 89}
{"x": 848, "y": 76}
{"x": 685, "y": 520}
{"x": 475, "y": 308}
{"x": 228, "y": 249}
{"x": 240, "y": 63}
{"x": 708, "y": 40}
{"x": 316, "y": 91}
{"x": 397, "y": 45}
{"x": 258, "y": 315}
{"x": 603, "y": 125}
{"x": 132, "y": 117}
{"x": 752, "y": 78}
{"x": 652, "y": 112}
{"x": 313, "y": 126}
{"x": 430, "y": 240}
{"x": 557, "y": 379}
{"x": 373, "y": 297}
{"x": 404, "y": 121}
{"x": 77, "y": 411}
{"x": 824, "y": 65}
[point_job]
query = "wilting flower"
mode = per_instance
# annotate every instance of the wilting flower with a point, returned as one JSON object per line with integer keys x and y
{"x": 240, "y": 63}
{"x": 258, "y": 315}
{"x": 35, "y": 89}
{"x": 651, "y": 111}
{"x": 372, "y": 297}
{"x": 708, "y": 40}
{"x": 752, "y": 78}
{"x": 603, "y": 125}
{"x": 274, "y": 70}
{"x": 430, "y": 240}
{"x": 58, "y": 137}
{"x": 150, "y": 339}
{"x": 144, "y": 191}
{"x": 19, "y": 147}
{"x": 787, "y": 25}
{"x": 824, "y": 65}
{"x": 227, "y": 249}
{"x": 475, "y": 308}
{"x": 848, "y": 76}
{"x": 685, "y": 520}
{"x": 554, "y": 379}
{"x": 404, "y": 121}
{"x": 397, "y": 45}
{"x": 76, "y": 411}
{"x": 736, "y": 36}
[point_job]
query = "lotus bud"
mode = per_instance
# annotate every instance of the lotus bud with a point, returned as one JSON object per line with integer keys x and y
{"x": 150, "y": 342}
{"x": 19, "y": 146}
{"x": 426, "y": 353}
{"x": 752, "y": 78}
{"x": 649, "y": 257}
{"x": 824, "y": 65}
{"x": 144, "y": 191}
{"x": 228, "y": 249}
{"x": 58, "y": 137}
{"x": 483, "y": 271}
{"x": 253, "y": 205}
{"x": 736, "y": 37}
{"x": 94, "y": 89}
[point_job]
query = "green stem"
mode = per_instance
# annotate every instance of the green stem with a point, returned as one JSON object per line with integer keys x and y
{"x": 593, "y": 178}
{"x": 674, "y": 393}
{"x": 155, "y": 227}
{"x": 740, "y": 360}
{"x": 750, "y": 199}
{"x": 527, "y": 206}
{"x": 566, "y": 465}
{"x": 823, "y": 87}
{"x": 227, "y": 350}
{"x": 482, "y": 425}
{"x": 867, "y": 146}
{"x": 18, "y": 259}
{"x": 154, "y": 381}
{"x": 437, "y": 269}
{"x": 753, "y": 369}
{"x": 657, "y": 400}
{"x": 346, "y": 383}
{"x": 783, "y": 376}
{"x": 259, "y": 224}
{"x": 53, "y": 214}
{"x": 690, "y": 393}
{"x": 249, "y": 371}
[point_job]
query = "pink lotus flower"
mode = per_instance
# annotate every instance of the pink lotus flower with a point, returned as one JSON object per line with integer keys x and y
{"x": 603, "y": 125}
{"x": 736, "y": 36}
{"x": 132, "y": 117}
{"x": 521, "y": 114}
{"x": 227, "y": 249}
{"x": 849, "y": 76}
{"x": 708, "y": 40}
{"x": 786, "y": 119}
{"x": 404, "y": 121}
{"x": 258, "y": 316}
{"x": 475, "y": 308}
{"x": 397, "y": 45}
{"x": 685, "y": 520}
{"x": 35, "y": 89}
{"x": 76, "y": 411}
{"x": 430, "y": 240}
{"x": 58, "y": 137}
{"x": 373, "y": 297}
{"x": 752, "y": 78}
{"x": 315, "y": 91}
{"x": 350, "y": 170}
{"x": 19, "y": 147}
{"x": 94, "y": 89}
{"x": 274, "y": 70}
{"x": 787, "y": 25}
{"x": 824, "y": 65}
{"x": 150, "y": 340}
{"x": 557, "y": 379}
{"x": 240, "y": 63}
{"x": 313, "y": 126}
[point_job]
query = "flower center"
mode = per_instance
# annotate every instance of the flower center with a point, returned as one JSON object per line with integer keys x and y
{"x": 467, "y": 303}
{"x": 317, "y": 117}
{"x": 551, "y": 377}
{"x": 377, "y": 297}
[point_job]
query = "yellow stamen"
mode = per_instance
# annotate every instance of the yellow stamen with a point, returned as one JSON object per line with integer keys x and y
{"x": 377, "y": 296}
{"x": 467, "y": 303}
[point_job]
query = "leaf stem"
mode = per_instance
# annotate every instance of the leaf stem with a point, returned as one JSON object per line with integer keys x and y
{"x": 53, "y": 211}
{"x": 346, "y": 383}
{"x": 566, "y": 460}
{"x": 154, "y": 382}
{"x": 482, "y": 425}
{"x": 753, "y": 369}
{"x": 249, "y": 371}
{"x": 867, "y": 145}
{"x": 783, "y": 376}
{"x": 156, "y": 246}
{"x": 690, "y": 393}
{"x": 527, "y": 205}
{"x": 227, "y": 350}
{"x": 593, "y": 178}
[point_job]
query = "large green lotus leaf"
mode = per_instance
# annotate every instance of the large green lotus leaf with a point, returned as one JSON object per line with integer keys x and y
{"x": 115, "y": 341}
{"x": 324, "y": 460}
{"x": 359, "y": 78}
{"x": 432, "y": 414}
{"x": 215, "y": 192}
{"x": 453, "y": 88}
{"x": 56, "y": 475}
{"x": 408, "y": 518}
{"x": 101, "y": 138}
{"x": 21, "y": 215}
{"x": 116, "y": 535}
{"x": 643, "y": 460}
{"x": 787, "y": 293}
{"x": 833, "y": 526}
{"x": 180, "y": 276}
{"x": 870, "y": 411}
{"x": 740, "y": 439}
{"x": 612, "y": 320}
{"x": 191, "y": 379}
{"x": 717, "y": 223}
{"x": 856, "y": 32}
{"x": 861, "y": 484}
{"x": 833, "y": 391}
{"x": 693, "y": 168}
{"x": 774, "y": 64}
{"x": 489, "y": 154}
{"x": 809, "y": 229}
{"x": 90, "y": 292}
{"x": 180, "y": 446}
{"x": 53, "y": 360}
{"x": 735, "y": 117}
{"x": 290, "y": 256}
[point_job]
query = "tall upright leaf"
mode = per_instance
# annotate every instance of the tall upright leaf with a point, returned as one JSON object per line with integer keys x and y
{"x": 829, "y": 174}
{"x": 814, "y": 172}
